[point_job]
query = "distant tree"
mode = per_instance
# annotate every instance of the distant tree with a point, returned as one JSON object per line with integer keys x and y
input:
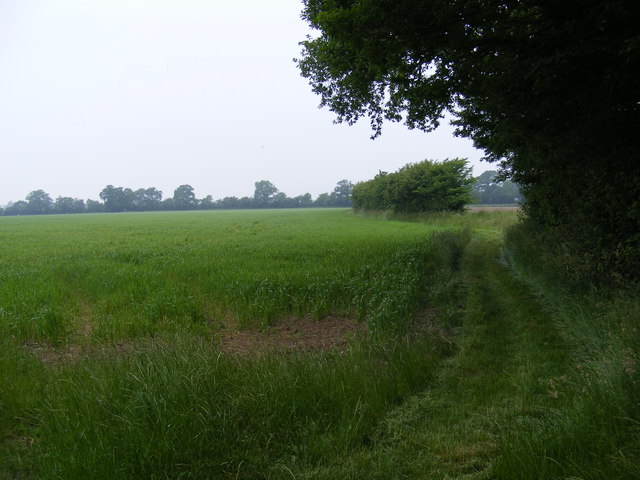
{"x": 341, "y": 195}
{"x": 246, "y": 202}
{"x": 39, "y": 202}
{"x": 206, "y": 203}
{"x": 264, "y": 193}
{"x": 168, "y": 204}
{"x": 16, "y": 208}
{"x": 228, "y": 203}
{"x": 323, "y": 200}
{"x": 147, "y": 199}
{"x": 184, "y": 198}
{"x": 117, "y": 199}
{"x": 69, "y": 205}
{"x": 80, "y": 205}
{"x": 138, "y": 200}
{"x": 488, "y": 188}
{"x": 280, "y": 200}
{"x": 303, "y": 201}
{"x": 93, "y": 206}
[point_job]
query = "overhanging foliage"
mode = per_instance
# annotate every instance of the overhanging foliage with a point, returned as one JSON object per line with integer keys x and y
{"x": 547, "y": 89}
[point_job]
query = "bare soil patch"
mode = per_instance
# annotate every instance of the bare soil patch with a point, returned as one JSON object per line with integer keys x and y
{"x": 291, "y": 335}
{"x": 286, "y": 335}
{"x": 71, "y": 353}
{"x": 51, "y": 355}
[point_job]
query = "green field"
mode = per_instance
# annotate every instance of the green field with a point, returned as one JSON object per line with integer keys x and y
{"x": 458, "y": 361}
{"x": 136, "y": 275}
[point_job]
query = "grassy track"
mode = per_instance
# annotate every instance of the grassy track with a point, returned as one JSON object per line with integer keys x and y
{"x": 508, "y": 351}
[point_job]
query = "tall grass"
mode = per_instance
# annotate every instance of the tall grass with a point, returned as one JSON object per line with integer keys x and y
{"x": 180, "y": 409}
{"x": 595, "y": 432}
{"x": 485, "y": 221}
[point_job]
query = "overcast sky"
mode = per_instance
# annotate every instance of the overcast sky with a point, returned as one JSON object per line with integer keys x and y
{"x": 142, "y": 93}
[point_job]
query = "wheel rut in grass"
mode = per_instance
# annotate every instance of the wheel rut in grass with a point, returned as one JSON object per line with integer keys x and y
{"x": 507, "y": 352}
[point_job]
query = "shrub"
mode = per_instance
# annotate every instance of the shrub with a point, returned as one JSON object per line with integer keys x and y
{"x": 426, "y": 186}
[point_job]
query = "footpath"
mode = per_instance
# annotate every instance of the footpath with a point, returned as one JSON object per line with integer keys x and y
{"x": 508, "y": 370}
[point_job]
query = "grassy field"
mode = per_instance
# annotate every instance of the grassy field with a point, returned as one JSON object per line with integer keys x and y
{"x": 456, "y": 360}
{"x": 124, "y": 276}
{"x": 112, "y": 327}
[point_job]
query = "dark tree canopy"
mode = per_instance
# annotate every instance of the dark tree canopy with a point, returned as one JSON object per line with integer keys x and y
{"x": 117, "y": 199}
{"x": 548, "y": 89}
{"x": 38, "y": 202}
{"x": 69, "y": 205}
{"x": 146, "y": 199}
{"x": 184, "y": 198}
{"x": 341, "y": 195}
{"x": 264, "y": 194}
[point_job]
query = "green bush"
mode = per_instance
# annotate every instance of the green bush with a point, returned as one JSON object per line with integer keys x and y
{"x": 419, "y": 187}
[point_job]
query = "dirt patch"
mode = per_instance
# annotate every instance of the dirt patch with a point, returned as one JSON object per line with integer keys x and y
{"x": 51, "y": 355}
{"x": 291, "y": 335}
{"x": 286, "y": 335}
{"x": 72, "y": 353}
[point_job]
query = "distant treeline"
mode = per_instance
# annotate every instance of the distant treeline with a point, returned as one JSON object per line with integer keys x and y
{"x": 120, "y": 199}
{"x": 489, "y": 188}
{"x": 415, "y": 187}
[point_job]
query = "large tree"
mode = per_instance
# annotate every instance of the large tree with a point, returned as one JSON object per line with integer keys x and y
{"x": 341, "y": 195}
{"x": 69, "y": 205}
{"x": 264, "y": 194}
{"x": 184, "y": 198}
{"x": 548, "y": 89}
{"x": 117, "y": 199}
{"x": 146, "y": 199}
{"x": 39, "y": 202}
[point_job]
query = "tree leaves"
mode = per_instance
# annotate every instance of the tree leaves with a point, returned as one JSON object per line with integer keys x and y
{"x": 548, "y": 90}
{"x": 419, "y": 187}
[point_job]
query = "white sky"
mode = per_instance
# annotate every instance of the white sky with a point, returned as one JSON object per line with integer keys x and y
{"x": 142, "y": 93}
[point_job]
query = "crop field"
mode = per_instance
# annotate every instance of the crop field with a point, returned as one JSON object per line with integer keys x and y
{"x": 114, "y": 277}
{"x": 113, "y": 328}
